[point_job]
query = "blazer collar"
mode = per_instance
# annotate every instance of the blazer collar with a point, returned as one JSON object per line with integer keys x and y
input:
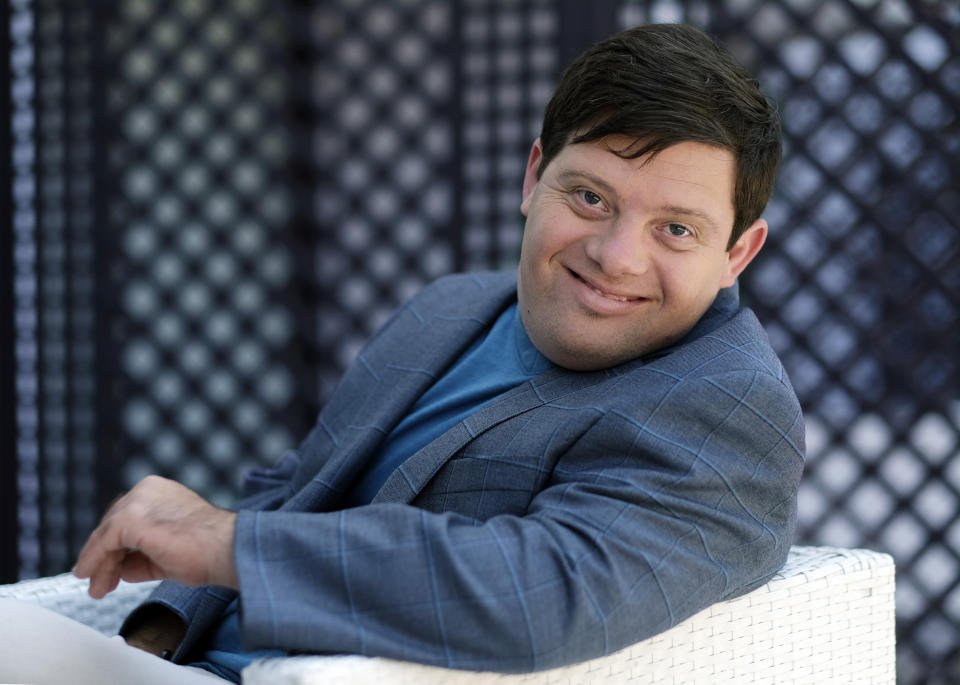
{"x": 724, "y": 307}
{"x": 412, "y": 476}
{"x": 437, "y": 326}
{"x": 445, "y": 336}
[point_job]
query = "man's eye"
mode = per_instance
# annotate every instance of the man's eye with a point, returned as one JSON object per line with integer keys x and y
{"x": 591, "y": 198}
{"x": 678, "y": 230}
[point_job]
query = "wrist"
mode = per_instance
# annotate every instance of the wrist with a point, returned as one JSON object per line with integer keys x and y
{"x": 227, "y": 567}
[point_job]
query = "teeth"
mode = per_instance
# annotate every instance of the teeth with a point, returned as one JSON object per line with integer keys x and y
{"x": 617, "y": 298}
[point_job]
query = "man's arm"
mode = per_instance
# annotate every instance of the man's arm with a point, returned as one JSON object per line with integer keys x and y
{"x": 649, "y": 516}
{"x": 640, "y": 526}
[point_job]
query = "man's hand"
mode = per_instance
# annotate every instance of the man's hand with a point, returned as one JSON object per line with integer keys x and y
{"x": 160, "y": 530}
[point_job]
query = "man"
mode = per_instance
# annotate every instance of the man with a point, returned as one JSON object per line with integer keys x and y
{"x": 524, "y": 470}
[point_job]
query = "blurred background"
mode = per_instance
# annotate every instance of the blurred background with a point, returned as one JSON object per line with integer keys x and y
{"x": 211, "y": 204}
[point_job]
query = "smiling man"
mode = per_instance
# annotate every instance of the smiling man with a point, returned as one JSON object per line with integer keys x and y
{"x": 622, "y": 256}
{"x": 520, "y": 470}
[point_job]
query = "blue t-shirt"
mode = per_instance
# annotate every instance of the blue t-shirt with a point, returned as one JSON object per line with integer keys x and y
{"x": 500, "y": 360}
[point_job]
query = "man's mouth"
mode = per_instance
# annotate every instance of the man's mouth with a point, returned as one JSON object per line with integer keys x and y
{"x": 616, "y": 297}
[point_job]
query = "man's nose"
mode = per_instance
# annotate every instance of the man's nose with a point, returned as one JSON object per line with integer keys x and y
{"x": 620, "y": 249}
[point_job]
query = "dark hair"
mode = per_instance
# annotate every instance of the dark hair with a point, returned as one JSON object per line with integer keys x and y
{"x": 664, "y": 84}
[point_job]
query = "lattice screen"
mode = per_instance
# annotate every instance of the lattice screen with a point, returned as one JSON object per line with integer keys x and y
{"x": 860, "y": 285}
{"x": 54, "y": 445}
{"x": 206, "y": 351}
{"x": 424, "y": 114}
{"x": 386, "y": 152}
{"x": 269, "y": 179}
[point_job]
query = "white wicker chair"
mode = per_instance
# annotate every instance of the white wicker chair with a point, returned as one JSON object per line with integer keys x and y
{"x": 827, "y": 617}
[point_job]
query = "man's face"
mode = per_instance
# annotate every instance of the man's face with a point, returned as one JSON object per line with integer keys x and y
{"x": 621, "y": 257}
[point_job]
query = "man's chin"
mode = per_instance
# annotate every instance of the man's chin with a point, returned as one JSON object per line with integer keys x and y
{"x": 585, "y": 358}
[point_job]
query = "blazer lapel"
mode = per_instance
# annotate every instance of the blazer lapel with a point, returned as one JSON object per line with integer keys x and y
{"x": 426, "y": 337}
{"x": 413, "y": 475}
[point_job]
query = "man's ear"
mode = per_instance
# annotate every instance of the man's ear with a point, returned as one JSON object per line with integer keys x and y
{"x": 743, "y": 251}
{"x": 530, "y": 176}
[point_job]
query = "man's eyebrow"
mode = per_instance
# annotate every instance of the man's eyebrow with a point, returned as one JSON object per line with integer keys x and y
{"x": 574, "y": 175}
{"x": 708, "y": 220}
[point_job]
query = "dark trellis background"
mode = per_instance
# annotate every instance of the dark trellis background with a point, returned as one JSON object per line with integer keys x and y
{"x": 214, "y": 203}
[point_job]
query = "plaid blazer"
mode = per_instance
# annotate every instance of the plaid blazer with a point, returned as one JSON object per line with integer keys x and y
{"x": 575, "y": 515}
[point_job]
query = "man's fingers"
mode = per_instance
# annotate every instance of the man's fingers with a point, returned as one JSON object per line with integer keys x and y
{"x": 101, "y": 585}
{"x": 160, "y": 529}
{"x": 89, "y": 557}
{"x": 128, "y": 565}
{"x": 103, "y": 541}
{"x": 137, "y": 568}
{"x": 106, "y": 576}
{"x": 103, "y": 555}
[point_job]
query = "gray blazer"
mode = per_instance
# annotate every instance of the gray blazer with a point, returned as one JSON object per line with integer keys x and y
{"x": 575, "y": 515}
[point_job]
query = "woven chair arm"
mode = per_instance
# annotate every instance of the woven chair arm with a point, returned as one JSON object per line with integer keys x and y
{"x": 67, "y": 595}
{"x": 827, "y": 616}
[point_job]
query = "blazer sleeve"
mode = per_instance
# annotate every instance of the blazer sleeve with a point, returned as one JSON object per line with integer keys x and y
{"x": 199, "y": 608}
{"x": 268, "y": 489}
{"x": 652, "y": 514}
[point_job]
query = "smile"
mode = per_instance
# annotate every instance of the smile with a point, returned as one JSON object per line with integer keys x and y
{"x": 615, "y": 297}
